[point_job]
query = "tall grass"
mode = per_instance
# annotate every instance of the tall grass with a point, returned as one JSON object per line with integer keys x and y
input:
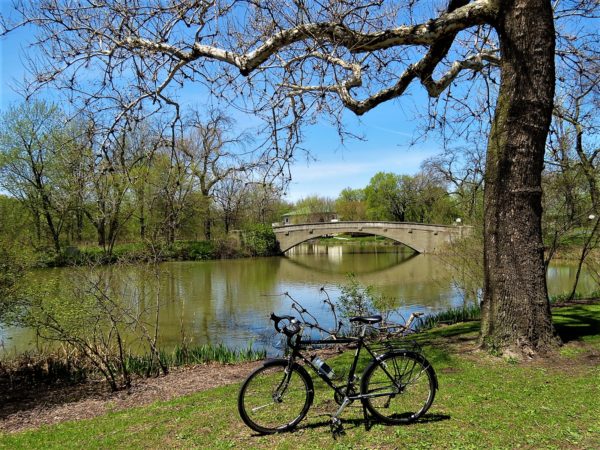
{"x": 47, "y": 368}
{"x": 449, "y": 317}
{"x": 144, "y": 365}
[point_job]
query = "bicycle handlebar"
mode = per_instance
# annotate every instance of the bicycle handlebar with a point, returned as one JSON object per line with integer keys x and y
{"x": 289, "y": 330}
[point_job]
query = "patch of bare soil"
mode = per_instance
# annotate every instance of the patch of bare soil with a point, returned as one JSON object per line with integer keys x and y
{"x": 31, "y": 408}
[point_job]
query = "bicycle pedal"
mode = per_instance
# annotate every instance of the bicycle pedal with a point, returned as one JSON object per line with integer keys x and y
{"x": 337, "y": 429}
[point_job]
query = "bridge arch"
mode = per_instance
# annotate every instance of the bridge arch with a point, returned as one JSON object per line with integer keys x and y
{"x": 423, "y": 238}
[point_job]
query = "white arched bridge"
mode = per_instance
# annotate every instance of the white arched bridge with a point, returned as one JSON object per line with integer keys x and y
{"x": 422, "y": 238}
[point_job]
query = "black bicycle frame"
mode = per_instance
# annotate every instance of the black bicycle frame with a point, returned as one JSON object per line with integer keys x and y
{"x": 338, "y": 389}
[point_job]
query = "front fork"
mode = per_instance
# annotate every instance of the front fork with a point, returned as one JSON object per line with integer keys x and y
{"x": 285, "y": 382}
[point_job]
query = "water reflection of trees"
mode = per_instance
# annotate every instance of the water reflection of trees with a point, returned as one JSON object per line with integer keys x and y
{"x": 230, "y": 300}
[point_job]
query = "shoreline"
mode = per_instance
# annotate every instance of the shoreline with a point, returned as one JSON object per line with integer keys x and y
{"x": 31, "y": 407}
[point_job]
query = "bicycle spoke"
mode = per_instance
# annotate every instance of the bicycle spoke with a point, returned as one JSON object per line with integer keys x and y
{"x": 400, "y": 388}
{"x": 274, "y": 398}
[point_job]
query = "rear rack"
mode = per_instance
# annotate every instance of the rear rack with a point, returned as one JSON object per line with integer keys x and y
{"x": 384, "y": 345}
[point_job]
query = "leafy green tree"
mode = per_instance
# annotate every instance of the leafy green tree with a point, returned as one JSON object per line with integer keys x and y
{"x": 314, "y": 206}
{"x": 32, "y": 143}
{"x": 427, "y": 199}
{"x": 406, "y": 198}
{"x": 260, "y": 240}
{"x": 351, "y": 204}
{"x": 384, "y": 197}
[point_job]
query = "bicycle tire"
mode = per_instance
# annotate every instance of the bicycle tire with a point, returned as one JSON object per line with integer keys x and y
{"x": 271, "y": 402}
{"x": 408, "y": 396}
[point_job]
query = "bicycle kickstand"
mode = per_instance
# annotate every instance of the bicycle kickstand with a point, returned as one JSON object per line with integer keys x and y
{"x": 367, "y": 418}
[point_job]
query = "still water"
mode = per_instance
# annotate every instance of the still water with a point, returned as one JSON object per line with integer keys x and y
{"x": 230, "y": 301}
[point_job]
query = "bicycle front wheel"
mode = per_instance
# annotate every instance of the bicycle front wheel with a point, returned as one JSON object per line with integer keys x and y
{"x": 399, "y": 387}
{"x": 275, "y": 398}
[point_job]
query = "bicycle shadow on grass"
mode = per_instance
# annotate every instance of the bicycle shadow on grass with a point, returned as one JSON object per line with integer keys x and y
{"x": 352, "y": 423}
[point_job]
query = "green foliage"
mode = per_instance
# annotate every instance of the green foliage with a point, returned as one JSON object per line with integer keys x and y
{"x": 12, "y": 270}
{"x": 384, "y": 198}
{"x": 357, "y": 299}
{"x": 260, "y": 240}
{"x": 315, "y": 204}
{"x": 132, "y": 252}
{"x": 406, "y": 198}
{"x": 89, "y": 316}
{"x": 191, "y": 250}
{"x": 36, "y": 165}
{"x": 351, "y": 204}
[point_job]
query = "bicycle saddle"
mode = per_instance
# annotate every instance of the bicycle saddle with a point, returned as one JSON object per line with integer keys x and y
{"x": 366, "y": 319}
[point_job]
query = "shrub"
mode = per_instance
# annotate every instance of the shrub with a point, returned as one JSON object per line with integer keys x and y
{"x": 259, "y": 240}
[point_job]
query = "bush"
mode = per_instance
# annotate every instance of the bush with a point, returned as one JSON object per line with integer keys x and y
{"x": 259, "y": 240}
{"x": 357, "y": 299}
{"x": 191, "y": 251}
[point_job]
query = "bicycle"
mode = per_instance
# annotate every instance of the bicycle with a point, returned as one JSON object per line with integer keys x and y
{"x": 397, "y": 386}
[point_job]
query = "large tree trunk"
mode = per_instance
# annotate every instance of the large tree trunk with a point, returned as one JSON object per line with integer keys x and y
{"x": 515, "y": 310}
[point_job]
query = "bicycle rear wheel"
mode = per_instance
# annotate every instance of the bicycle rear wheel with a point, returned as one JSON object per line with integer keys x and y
{"x": 399, "y": 387}
{"x": 275, "y": 399}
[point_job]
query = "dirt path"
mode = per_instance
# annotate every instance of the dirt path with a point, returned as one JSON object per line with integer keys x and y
{"x": 33, "y": 408}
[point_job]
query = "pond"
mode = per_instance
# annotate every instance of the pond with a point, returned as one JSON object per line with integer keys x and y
{"x": 230, "y": 301}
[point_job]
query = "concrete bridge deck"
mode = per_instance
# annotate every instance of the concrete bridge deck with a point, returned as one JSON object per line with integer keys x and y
{"x": 423, "y": 238}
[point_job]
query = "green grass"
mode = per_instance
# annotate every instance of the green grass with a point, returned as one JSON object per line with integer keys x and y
{"x": 483, "y": 402}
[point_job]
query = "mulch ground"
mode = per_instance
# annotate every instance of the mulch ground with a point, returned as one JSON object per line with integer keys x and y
{"x": 33, "y": 407}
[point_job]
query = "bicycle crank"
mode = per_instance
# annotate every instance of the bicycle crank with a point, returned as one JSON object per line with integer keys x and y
{"x": 342, "y": 393}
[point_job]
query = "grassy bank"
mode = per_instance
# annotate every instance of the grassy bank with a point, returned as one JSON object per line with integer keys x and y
{"x": 483, "y": 402}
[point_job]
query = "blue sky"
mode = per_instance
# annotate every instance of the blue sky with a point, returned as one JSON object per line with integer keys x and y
{"x": 387, "y": 130}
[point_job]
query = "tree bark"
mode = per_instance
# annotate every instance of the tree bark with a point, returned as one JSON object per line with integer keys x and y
{"x": 516, "y": 315}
